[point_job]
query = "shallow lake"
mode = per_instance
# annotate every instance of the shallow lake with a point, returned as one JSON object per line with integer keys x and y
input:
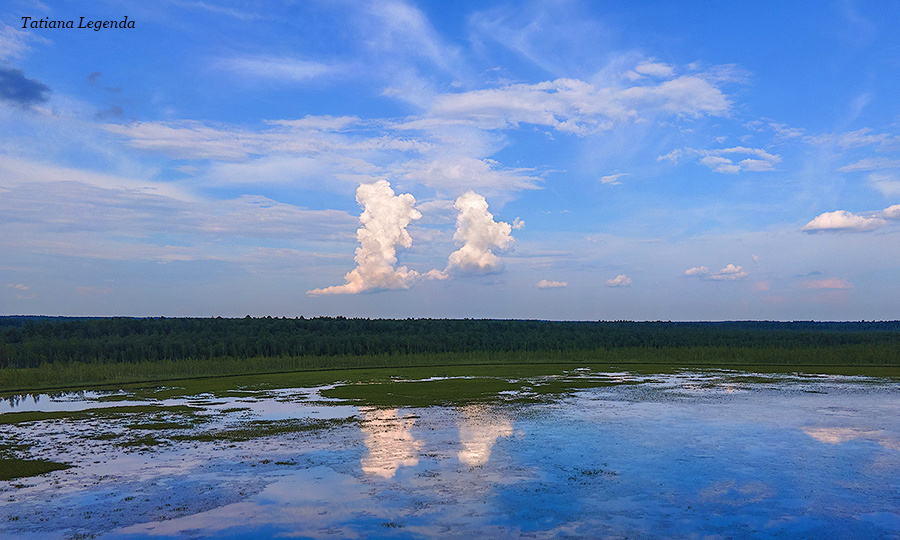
{"x": 555, "y": 452}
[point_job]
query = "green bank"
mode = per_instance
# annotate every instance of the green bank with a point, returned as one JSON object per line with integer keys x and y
{"x": 41, "y": 353}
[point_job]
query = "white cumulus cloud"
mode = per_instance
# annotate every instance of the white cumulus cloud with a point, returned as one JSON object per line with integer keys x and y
{"x": 842, "y": 220}
{"x": 612, "y": 179}
{"x": 479, "y": 234}
{"x": 731, "y": 272}
{"x": 720, "y": 164}
{"x": 547, "y": 284}
{"x": 383, "y": 229}
{"x": 619, "y": 281}
{"x": 758, "y": 160}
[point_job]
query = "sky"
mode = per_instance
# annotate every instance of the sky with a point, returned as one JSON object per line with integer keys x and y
{"x": 531, "y": 160}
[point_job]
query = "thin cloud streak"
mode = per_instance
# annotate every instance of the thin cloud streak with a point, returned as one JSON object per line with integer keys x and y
{"x": 278, "y": 68}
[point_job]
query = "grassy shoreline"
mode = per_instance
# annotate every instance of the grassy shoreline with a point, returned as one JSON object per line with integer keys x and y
{"x": 82, "y": 375}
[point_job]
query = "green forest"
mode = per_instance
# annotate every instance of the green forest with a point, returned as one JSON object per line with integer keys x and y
{"x": 51, "y": 350}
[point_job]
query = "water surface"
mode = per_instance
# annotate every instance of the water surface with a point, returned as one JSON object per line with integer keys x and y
{"x": 577, "y": 453}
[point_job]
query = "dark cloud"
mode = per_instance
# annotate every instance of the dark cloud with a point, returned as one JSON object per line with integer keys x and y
{"x": 113, "y": 112}
{"x": 95, "y": 77}
{"x": 17, "y": 89}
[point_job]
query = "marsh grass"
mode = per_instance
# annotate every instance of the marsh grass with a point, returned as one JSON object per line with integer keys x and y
{"x": 260, "y": 429}
{"x": 51, "y": 376}
{"x": 157, "y": 426}
{"x": 12, "y": 467}
{"x": 423, "y": 393}
{"x": 100, "y": 413}
{"x": 143, "y": 441}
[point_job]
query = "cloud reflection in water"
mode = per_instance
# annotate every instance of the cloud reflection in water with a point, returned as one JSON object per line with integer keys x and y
{"x": 479, "y": 429}
{"x": 389, "y": 441}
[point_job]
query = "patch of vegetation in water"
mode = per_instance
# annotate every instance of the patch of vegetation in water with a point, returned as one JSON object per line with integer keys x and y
{"x": 105, "y": 436}
{"x": 105, "y": 412}
{"x": 230, "y": 410}
{"x": 144, "y": 441}
{"x": 257, "y": 429}
{"x": 13, "y": 467}
{"x": 470, "y": 384}
{"x": 422, "y": 393}
{"x": 115, "y": 398}
{"x": 157, "y": 426}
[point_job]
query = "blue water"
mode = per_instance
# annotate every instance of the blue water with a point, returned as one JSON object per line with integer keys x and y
{"x": 690, "y": 455}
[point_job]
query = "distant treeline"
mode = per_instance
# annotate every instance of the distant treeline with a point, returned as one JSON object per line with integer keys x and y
{"x": 29, "y": 342}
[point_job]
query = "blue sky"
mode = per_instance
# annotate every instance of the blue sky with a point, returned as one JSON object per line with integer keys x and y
{"x": 551, "y": 160}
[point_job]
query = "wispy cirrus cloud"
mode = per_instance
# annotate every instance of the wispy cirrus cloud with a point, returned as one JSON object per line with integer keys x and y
{"x": 17, "y": 172}
{"x": 887, "y": 184}
{"x": 830, "y": 283}
{"x": 319, "y": 123}
{"x": 64, "y": 211}
{"x": 239, "y": 14}
{"x": 305, "y": 137}
{"x": 456, "y": 174}
{"x": 855, "y": 139}
{"x": 397, "y": 28}
{"x": 14, "y": 43}
{"x": 728, "y": 160}
{"x": 871, "y": 164}
{"x": 653, "y": 69}
{"x": 188, "y": 139}
{"x": 579, "y": 107}
{"x": 277, "y": 68}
